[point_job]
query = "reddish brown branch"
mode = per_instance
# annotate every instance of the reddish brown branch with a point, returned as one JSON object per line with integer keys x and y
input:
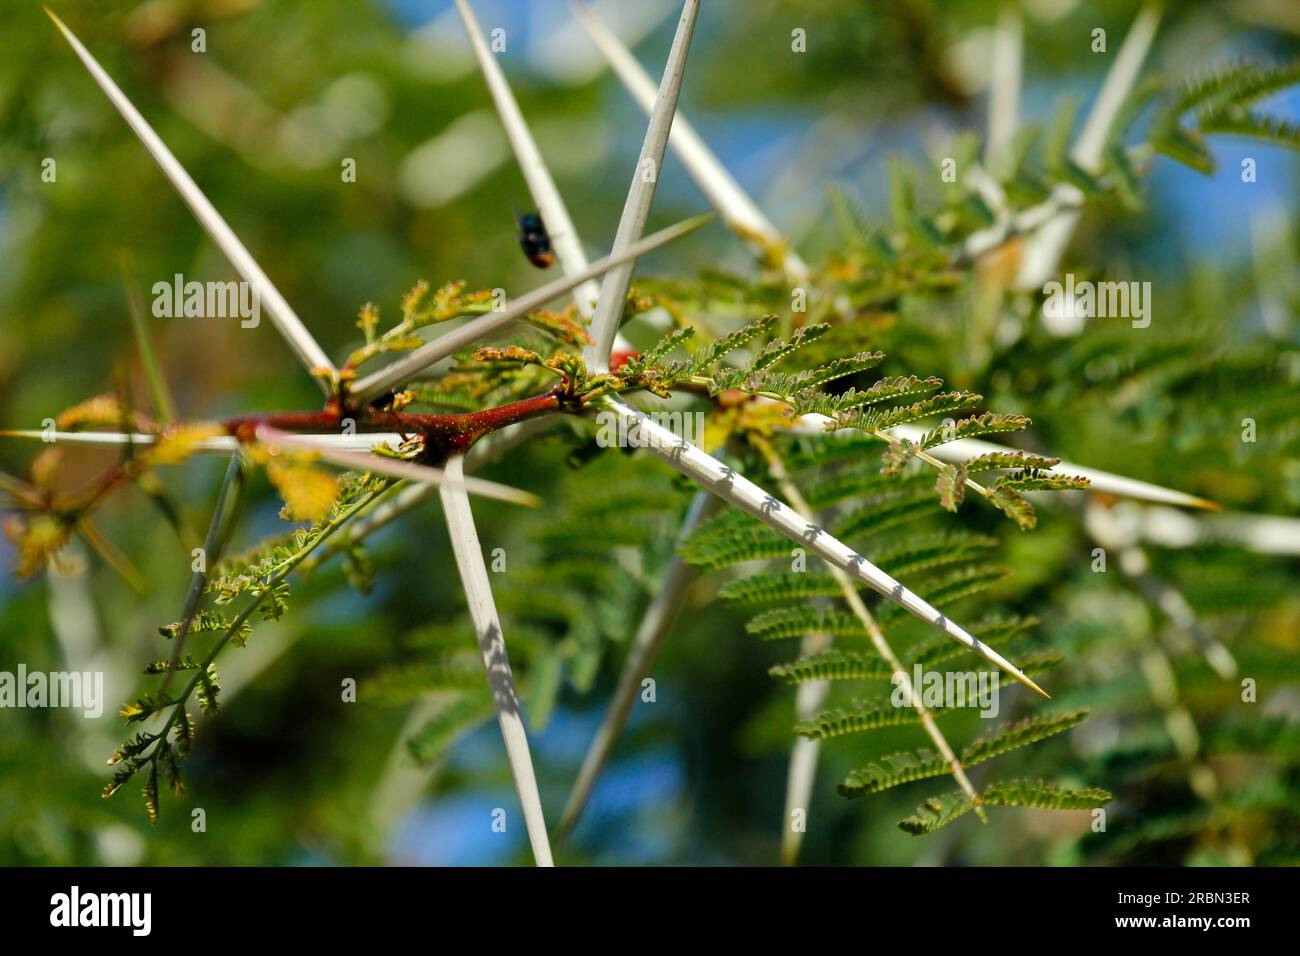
{"x": 443, "y": 435}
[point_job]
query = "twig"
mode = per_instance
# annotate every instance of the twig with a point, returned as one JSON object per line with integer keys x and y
{"x": 440, "y": 348}
{"x": 212, "y": 545}
{"x": 282, "y": 570}
{"x": 487, "y": 625}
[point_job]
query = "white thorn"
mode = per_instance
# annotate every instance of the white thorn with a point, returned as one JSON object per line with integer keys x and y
{"x": 1043, "y": 250}
{"x": 395, "y": 467}
{"x": 1004, "y": 88}
{"x": 550, "y": 205}
{"x": 733, "y": 487}
{"x": 487, "y": 626}
{"x": 641, "y": 194}
{"x": 281, "y": 314}
{"x": 964, "y": 449}
{"x": 726, "y": 195}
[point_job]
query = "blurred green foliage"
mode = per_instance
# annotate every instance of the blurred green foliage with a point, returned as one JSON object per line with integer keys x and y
{"x": 289, "y": 774}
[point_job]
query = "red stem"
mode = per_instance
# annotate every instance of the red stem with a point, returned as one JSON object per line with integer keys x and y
{"x": 443, "y": 434}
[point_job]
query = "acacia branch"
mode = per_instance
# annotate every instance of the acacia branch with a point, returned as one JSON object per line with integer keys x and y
{"x": 733, "y": 487}
{"x": 413, "y": 363}
{"x": 281, "y": 571}
{"x": 803, "y": 765}
{"x": 222, "y": 515}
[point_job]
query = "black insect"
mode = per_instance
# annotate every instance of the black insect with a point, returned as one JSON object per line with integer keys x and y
{"x": 534, "y": 240}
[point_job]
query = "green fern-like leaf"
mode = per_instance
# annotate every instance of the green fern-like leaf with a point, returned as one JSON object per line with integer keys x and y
{"x": 1186, "y": 147}
{"x": 989, "y": 423}
{"x": 951, "y": 586}
{"x": 835, "y": 370}
{"x": 852, "y": 483}
{"x": 1269, "y": 129}
{"x": 710, "y": 355}
{"x": 1021, "y": 734}
{"x": 833, "y": 665}
{"x": 1007, "y": 500}
{"x": 905, "y": 767}
{"x": 208, "y": 620}
{"x": 1236, "y": 85}
{"x": 939, "y": 811}
{"x": 893, "y": 770}
{"x": 208, "y": 690}
{"x": 882, "y": 418}
{"x": 778, "y": 350}
{"x": 838, "y": 665}
{"x": 884, "y": 511}
{"x": 779, "y": 588}
{"x": 951, "y": 486}
{"x": 1043, "y": 795}
{"x": 931, "y": 550}
{"x": 843, "y": 445}
{"x": 1221, "y": 100}
{"x": 787, "y": 622}
{"x": 885, "y": 390}
{"x": 1034, "y": 480}
{"x": 874, "y": 714}
{"x": 1009, "y": 460}
{"x": 858, "y": 717}
{"x": 151, "y": 794}
{"x": 732, "y": 538}
{"x": 406, "y": 683}
{"x": 653, "y": 355}
{"x": 938, "y": 649}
